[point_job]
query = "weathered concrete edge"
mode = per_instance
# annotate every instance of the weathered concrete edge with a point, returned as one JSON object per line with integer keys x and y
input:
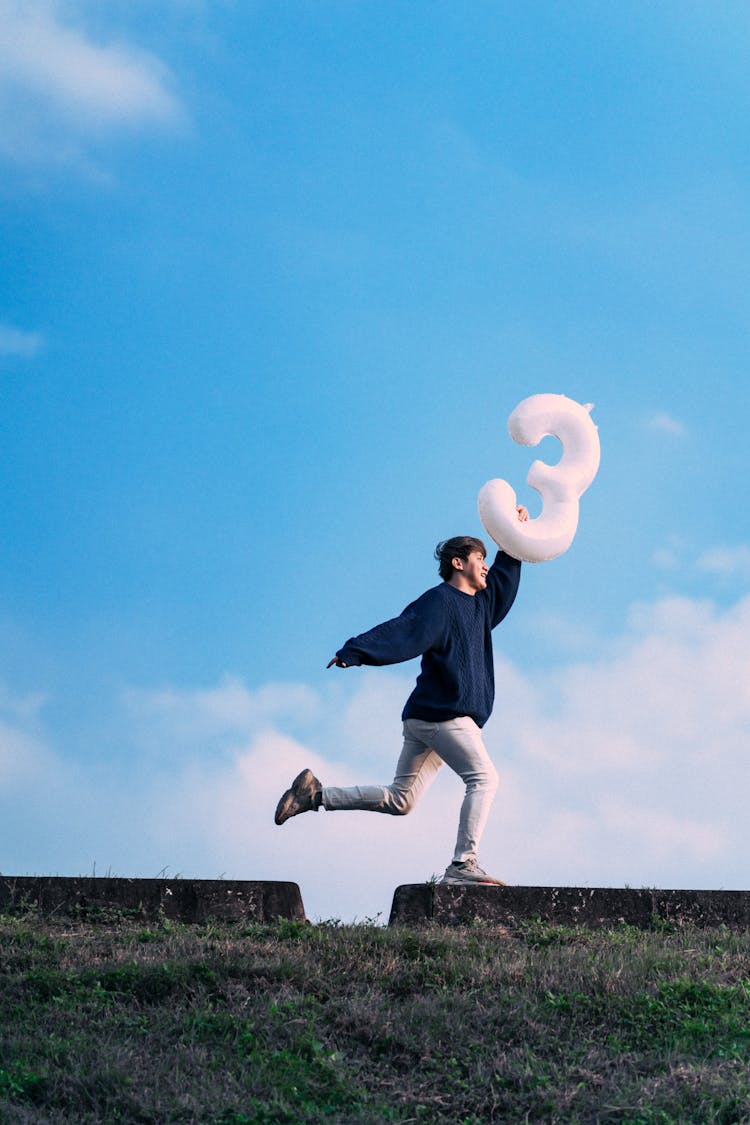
{"x": 418, "y": 904}
{"x": 179, "y": 900}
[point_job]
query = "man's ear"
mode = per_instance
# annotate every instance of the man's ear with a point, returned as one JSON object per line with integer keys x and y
{"x": 457, "y": 564}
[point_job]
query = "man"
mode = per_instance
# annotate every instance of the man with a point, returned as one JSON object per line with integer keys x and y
{"x": 450, "y": 626}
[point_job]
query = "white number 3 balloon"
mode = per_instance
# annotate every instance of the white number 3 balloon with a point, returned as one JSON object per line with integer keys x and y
{"x": 560, "y": 485}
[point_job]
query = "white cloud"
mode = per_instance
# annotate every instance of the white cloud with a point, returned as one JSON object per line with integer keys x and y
{"x": 631, "y": 768}
{"x": 666, "y": 424}
{"x": 564, "y": 632}
{"x": 727, "y": 562}
{"x": 229, "y": 708}
{"x": 58, "y": 86}
{"x": 22, "y": 758}
{"x": 665, "y": 558}
{"x": 14, "y": 341}
{"x": 25, "y": 760}
{"x": 670, "y": 555}
{"x": 662, "y": 832}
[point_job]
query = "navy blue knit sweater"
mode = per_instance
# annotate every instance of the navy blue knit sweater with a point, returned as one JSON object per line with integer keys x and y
{"x": 451, "y": 630}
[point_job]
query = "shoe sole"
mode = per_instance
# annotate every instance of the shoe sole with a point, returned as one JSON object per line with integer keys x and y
{"x": 471, "y": 883}
{"x": 468, "y": 881}
{"x": 282, "y": 809}
{"x": 302, "y": 786}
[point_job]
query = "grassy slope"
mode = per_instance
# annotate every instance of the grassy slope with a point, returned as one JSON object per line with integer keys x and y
{"x": 294, "y": 1023}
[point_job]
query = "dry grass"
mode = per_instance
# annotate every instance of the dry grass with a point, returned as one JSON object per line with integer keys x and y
{"x": 293, "y": 1023}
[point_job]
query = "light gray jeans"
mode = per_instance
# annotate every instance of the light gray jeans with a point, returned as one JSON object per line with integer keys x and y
{"x": 457, "y": 743}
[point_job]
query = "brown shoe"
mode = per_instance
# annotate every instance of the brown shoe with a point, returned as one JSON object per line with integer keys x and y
{"x": 304, "y": 796}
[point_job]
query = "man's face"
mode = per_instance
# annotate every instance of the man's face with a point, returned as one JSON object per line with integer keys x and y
{"x": 474, "y": 570}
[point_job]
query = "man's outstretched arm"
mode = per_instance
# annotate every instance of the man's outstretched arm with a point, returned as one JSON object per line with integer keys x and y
{"x": 418, "y": 628}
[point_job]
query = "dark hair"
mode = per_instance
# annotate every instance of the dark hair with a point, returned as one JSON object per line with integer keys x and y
{"x": 459, "y": 547}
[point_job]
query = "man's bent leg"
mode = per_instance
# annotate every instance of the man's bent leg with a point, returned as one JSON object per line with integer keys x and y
{"x": 459, "y": 743}
{"x": 416, "y": 769}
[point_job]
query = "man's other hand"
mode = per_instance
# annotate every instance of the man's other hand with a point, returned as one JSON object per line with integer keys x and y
{"x": 337, "y": 662}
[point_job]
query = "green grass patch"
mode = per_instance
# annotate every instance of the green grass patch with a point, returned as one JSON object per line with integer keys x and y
{"x": 291, "y": 1024}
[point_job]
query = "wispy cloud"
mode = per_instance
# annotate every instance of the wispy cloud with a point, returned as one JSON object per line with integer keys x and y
{"x": 230, "y": 710}
{"x": 666, "y": 424}
{"x": 663, "y": 831}
{"x": 666, "y": 558}
{"x": 15, "y": 341}
{"x": 727, "y": 562}
{"x": 25, "y": 759}
{"x": 58, "y": 85}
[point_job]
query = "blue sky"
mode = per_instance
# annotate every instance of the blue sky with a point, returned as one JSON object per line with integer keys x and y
{"x": 273, "y": 277}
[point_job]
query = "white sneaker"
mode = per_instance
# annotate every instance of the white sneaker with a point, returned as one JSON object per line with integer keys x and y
{"x": 468, "y": 872}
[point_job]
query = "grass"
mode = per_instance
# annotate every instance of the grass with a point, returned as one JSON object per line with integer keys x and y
{"x": 291, "y": 1023}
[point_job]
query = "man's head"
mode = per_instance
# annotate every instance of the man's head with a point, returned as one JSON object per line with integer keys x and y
{"x": 460, "y": 548}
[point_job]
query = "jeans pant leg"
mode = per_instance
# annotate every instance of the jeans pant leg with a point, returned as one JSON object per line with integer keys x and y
{"x": 417, "y": 767}
{"x": 459, "y": 743}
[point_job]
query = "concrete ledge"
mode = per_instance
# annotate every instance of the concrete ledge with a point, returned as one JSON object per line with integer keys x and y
{"x": 417, "y": 904}
{"x": 180, "y": 900}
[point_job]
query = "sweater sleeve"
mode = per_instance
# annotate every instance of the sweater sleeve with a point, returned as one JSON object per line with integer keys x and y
{"x": 410, "y": 634}
{"x": 503, "y": 578}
